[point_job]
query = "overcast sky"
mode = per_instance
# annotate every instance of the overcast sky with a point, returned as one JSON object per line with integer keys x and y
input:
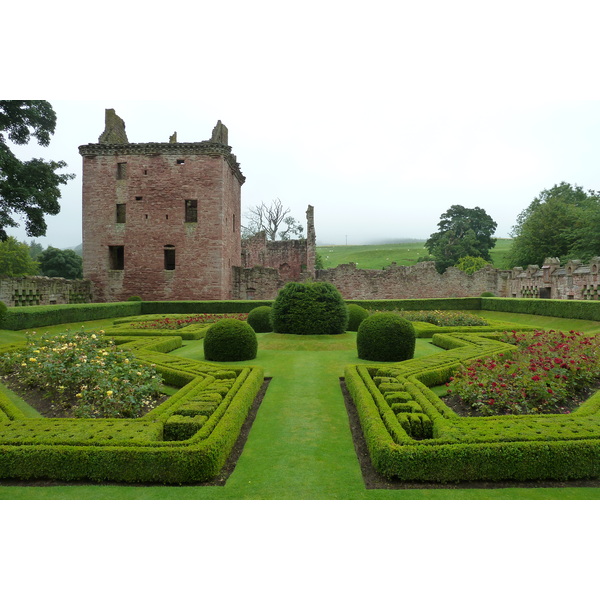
{"x": 381, "y": 115}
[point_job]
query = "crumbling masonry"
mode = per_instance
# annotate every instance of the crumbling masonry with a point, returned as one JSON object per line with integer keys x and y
{"x": 162, "y": 221}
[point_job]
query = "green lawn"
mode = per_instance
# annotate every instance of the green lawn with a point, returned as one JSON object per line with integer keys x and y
{"x": 300, "y": 446}
{"x": 377, "y": 256}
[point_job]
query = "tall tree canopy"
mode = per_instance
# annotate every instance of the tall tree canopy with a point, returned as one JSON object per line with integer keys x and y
{"x": 461, "y": 232}
{"x": 271, "y": 218}
{"x": 15, "y": 260}
{"x": 61, "y": 263}
{"x": 28, "y": 188}
{"x": 561, "y": 222}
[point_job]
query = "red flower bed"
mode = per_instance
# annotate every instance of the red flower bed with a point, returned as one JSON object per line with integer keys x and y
{"x": 548, "y": 372}
{"x": 179, "y": 322}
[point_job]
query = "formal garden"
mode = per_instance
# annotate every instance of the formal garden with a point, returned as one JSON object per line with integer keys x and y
{"x": 305, "y": 397}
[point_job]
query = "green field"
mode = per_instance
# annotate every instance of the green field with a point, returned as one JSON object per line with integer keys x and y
{"x": 377, "y": 256}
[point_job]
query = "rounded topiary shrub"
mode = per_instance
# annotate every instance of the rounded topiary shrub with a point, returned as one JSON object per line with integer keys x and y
{"x": 488, "y": 295}
{"x": 3, "y": 311}
{"x": 259, "y": 319}
{"x": 356, "y": 315}
{"x": 385, "y": 337}
{"x": 313, "y": 308}
{"x": 230, "y": 339}
{"x": 134, "y": 299}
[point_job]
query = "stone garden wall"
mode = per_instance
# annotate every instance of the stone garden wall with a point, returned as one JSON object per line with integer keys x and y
{"x": 31, "y": 291}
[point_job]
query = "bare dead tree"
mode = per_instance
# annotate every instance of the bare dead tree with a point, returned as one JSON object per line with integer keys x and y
{"x": 269, "y": 218}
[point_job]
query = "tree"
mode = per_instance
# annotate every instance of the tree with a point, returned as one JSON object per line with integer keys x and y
{"x": 15, "y": 260}
{"x": 471, "y": 264}
{"x": 561, "y": 222}
{"x": 61, "y": 263}
{"x": 461, "y": 232}
{"x": 35, "y": 249}
{"x": 29, "y": 188}
{"x": 270, "y": 218}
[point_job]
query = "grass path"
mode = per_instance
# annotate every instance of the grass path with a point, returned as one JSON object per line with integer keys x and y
{"x": 300, "y": 446}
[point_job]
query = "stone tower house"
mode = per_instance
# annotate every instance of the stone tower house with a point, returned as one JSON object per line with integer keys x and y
{"x": 160, "y": 220}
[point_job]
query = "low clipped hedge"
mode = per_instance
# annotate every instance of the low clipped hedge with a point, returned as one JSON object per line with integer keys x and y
{"x": 230, "y": 340}
{"x": 566, "y": 309}
{"x": 313, "y": 308}
{"x": 385, "y": 337}
{"x": 421, "y": 304}
{"x": 412, "y": 435}
{"x": 186, "y": 439}
{"x": 27, "y": 317}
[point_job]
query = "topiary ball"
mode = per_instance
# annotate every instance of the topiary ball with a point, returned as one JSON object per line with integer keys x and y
{"x": 230, "y": 339}
{"x": 259, "y": 319}
{"x": 488, "y": 295}
{"x": 313, "y": 308}
{"x": 134, "y": 299}
{"x": 356, "y": 315}
{"x": 385, "y": 337}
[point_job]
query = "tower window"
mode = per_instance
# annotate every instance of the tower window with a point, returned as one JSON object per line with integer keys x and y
{"x": 169, "y": 257}
{"x": 139, "y": 198}
{"x": 121, "y": 213}
{"x": 180, "y": 161}
{"x": 122, "y": 170}
{"x": 191, "y": 211}
{"x": 116, "y": 258}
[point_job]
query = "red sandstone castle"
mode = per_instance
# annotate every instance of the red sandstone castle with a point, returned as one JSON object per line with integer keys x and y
{"x": 162, "y": 221}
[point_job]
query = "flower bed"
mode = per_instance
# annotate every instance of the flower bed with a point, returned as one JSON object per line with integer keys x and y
{"x": 85, "y": 374}
{"x": 443, "y": 318}
{"x": 548, "y": 372}
{"x": 179, "y": 321}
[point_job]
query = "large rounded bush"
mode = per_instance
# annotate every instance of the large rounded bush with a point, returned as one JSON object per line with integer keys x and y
{"x": 259, "y": 319}
{"x": 230, "y": 339}
{"x": 3, "y": 311}
{"x": 314, "y": 308}
{"x": 385, "y": 337}
{"x": 356, "y": 315}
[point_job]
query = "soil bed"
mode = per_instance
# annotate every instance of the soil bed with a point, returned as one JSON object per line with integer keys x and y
{"x": 37, "y": 399}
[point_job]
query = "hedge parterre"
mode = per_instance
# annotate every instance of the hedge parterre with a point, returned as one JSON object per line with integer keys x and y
{"x": 412, "y": 435}
{"x": 184, "y": 440}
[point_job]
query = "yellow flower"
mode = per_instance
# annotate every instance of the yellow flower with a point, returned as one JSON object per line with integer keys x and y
{"x": 33, "y": 359}
{"x": 109, "y": 393}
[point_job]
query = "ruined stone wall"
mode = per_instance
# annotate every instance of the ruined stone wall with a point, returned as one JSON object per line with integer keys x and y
{"x": 293, "y": 259}
{"x": 415, "y": 281}
{"x": 33, "y": 291}
{"x": 573, "y": 281}
{"x": 138, "y": 235}
{"x": 418, "y": 281}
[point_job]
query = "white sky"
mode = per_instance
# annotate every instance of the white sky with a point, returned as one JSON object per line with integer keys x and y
{"x": 380, "y": 114}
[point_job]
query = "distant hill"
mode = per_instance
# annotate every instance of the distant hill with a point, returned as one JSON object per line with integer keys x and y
{"x": 378, "y": 256}
{"x": 78, "y": 249}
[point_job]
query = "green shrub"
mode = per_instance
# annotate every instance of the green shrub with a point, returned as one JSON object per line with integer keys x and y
{"x": 488, "y": 295}
{"x": 356, "y": 315}
{"x": 315, "y": 308}
{"x": 385, "y": 337}
{"x": 134, "y": 299}
{"x": 3, "y": 311}
{"x": 259, "y": 319}
{"x": 230, "y": 339}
